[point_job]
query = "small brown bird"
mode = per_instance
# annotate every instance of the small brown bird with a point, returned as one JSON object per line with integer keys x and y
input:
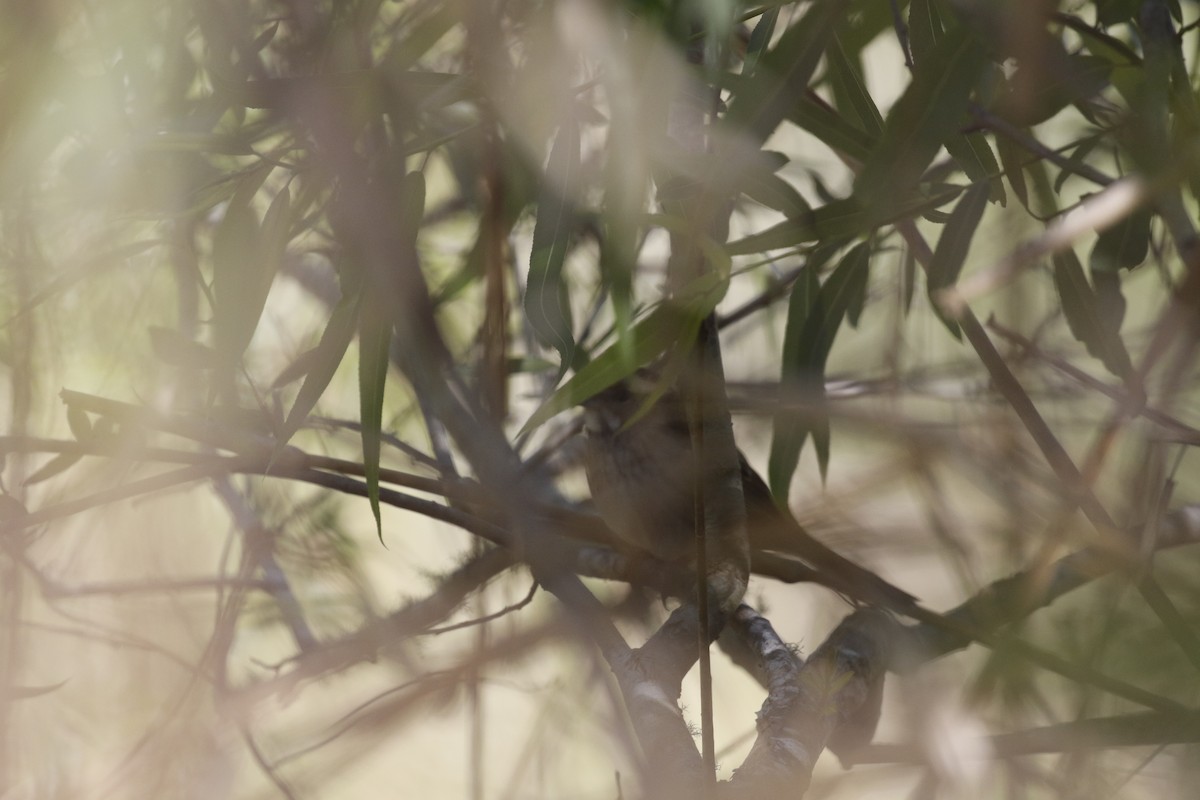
{"x": 641, "y": 478}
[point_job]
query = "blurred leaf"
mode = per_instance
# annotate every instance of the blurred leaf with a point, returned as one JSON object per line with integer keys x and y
{"x": 856, "y": 288}
{"x": 790, "y": 433}
{"x": 28, "y": 692}
{"x": 547, "y": 302}
{"x": 418, "y": 38}
{"x": 763, "y": 101}
{"x": 60, "y": 463}
{"x": 324, "y": 361}
{"x": 240, "y": 279}
{"x": 1062, "y": 79}
{"x": 1124, "y": 245}
{"x": 829, "y": 127}
{"x": 924, "y": 27}
{"x": 1012, "y": 157}
{"x": 297, "y": 369}
{"x": 1097, "y": 331}
{"x": 928, "y": 114}
{"x": 11, "y": 509}
{"x": 80, "y": 423}
{"x": 276, "y": 230}
{"x": 840, "y": 219}
{"x": 264, "y": 38}
{"x": 1077, "y": 159}
{"x": 772, "y": 191}
{"x": 760, "y": 38}
{"x": 973, "y": 154}
{"x": 663, "y": 327}
{"x": 1114, "y": 12}
{"x": 909, "y": 276}
{"x": 171, "y": 347}
{"x": 1100, "y": 43}
{"x": 374, "y": 337}
{"x": 85, "y": 267}
{"x": 852, "y": 94}
{"x": 814, "y": 317}
{"x": 951, "y": 251}
{"x": 1110, "y": 303}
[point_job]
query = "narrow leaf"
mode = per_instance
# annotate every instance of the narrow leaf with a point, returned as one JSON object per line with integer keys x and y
{"x": 762, "y": 101}
{"x": 773, "y": 192}
{"x": 374, "y": 336}
{"x": 80, "y": 423}
{"x": 1124, "y": 245}
{"x": 926, "y": 115}
{"x": 1012, "y": 158}
{"x": 839, "y": 219}
{"x": 808, "y": 339}
{"x": 648, "y": 338}
{"x": 326, "y": 358}
{"x": 812, "y": 115}
{"x": 239, "y": 276}
{"x": 276, "y": 230}
{"x": 1097, "y": 331}
{"x": 297, "y": 369}
{"x": 973, "y": 154}
{"x": 790, "y": 432}
{"x": 853, "y": 98}
{"x": 59, "y": 463}
{"x": 951, "y": 251}
{"x": 924, "y": 28}
{"x": 547, "y": 303}
{"x": 760, "y": 38}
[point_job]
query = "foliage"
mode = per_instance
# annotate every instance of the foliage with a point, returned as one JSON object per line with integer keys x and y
{"x": 214, "y": 215}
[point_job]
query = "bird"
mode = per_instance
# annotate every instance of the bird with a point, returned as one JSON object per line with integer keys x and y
{"x": 640, "y": 469}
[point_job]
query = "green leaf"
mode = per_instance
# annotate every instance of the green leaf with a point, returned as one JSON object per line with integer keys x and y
{"x": 924, "y": 28}
{"x": 648, "y": 338}
{"x": 547, "y": 303}
{"x": 297, "y": 369}
{"x": 324, "y": 361}
{"x": 374, "y": 337}
{"x": 839, "y": 219}
{"x": 760, "y": 37}
{"x": 857, "y": 292}
{"x": 1062, "y": 80}
{"x": 813, "y": 323}
{"x": 1124, "y": 245}
{"x": 831, "y": 128}
{"x": 240, "y": 278}
{"x": 853, "y": 98}
{"x": 1114, "y": 12}
{"x": 1078, "y": 159}
{"x": 973, "y": 154}
{"x": 951, "y": 251}
{"x": 909, "y": 277}
{"x": 790, "y": 432}
{"x": 1082, "y": 306}
{"x": 780, "y": 82}
{"x": 924, "y": 118}
{"x": 773, "y": 192}
{"x": 1013, "y": 159}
